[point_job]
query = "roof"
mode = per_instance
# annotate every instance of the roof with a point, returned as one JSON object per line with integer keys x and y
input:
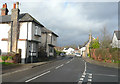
{"x": 45, "y": 30}
{"x": 25, "y": 17}
{"x": 117, "y": 33}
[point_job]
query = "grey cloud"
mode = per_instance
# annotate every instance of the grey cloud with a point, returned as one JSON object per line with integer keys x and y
{"x": 72, "y": 21}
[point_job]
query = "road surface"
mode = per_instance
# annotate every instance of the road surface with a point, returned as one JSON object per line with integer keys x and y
{"x": 69, "y": 69}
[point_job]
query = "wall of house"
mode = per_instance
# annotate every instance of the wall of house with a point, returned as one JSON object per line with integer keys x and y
{"x": 115, "y": 41}
{"x": 54, "y": 40}
{"x": 5, "y": 27}
{"x": 33, "y": 40}
{"x": 34, "y": 37}
{"x": 22, "y": 46}
{"x": 43, "y": 39}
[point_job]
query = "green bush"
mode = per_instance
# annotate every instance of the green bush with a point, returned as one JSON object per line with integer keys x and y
{"x": 94, "y": 44}
{"x": 10, "y": 57}
{"x": 4, "y": 58}
{"x": 89, "y": 55}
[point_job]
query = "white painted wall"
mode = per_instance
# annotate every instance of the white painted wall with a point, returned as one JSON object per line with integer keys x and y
{"x": 115, "y": 41}
{"x": 4, "y": 28}
{"x": 24, "y": 27}
{"x": 83, "y": 49}
{"x": 68, "y": 51}
{"x": 22, "y": 46}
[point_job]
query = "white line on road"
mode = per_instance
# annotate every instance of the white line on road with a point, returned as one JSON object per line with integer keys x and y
{"x": 80, "y": 82}
{"x": 85, "y": 69}
{"x": 106, "y": 75}
{"x": 81, "y": 78}
{"x": 37, "y": 76}
{"x": 83, "y": 75}
{"x": 59, "y": 66}
{"x": 89, "y": 76}
{"x": 68, "y": 62}
{"x": 89, "y": 80}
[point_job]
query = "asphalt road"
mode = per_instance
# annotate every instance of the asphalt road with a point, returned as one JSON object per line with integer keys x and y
{"x": 66, "y": 70}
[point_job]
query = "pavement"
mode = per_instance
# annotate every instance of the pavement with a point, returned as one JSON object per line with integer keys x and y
{"x": 13, "y": 68}
{"x": 105, "y": 64}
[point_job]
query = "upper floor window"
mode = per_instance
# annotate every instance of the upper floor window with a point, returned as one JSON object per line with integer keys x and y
{"x": 37, "y": 31}
{"x": 54, "y": 39}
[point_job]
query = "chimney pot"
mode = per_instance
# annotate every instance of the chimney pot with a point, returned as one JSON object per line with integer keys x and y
{"x": 14, "y": 6}
{"x": 17, "y": 4}
{"x": 5, "y": 5}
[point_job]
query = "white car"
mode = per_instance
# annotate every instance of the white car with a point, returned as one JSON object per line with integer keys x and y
{"x": 77, "y": 54}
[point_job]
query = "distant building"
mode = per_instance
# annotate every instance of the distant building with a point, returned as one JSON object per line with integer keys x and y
{"x": 85, "y": 48}
{"x": 68, "y": 51}
{"x": 116, "y": 39}
{"x": 59, "y": 48}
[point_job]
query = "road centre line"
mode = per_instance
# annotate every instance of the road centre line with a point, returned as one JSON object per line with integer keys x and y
{"x": 59, "y": 66}
{"x": 37, "y": 76}
{"x": 83, "y": 75}
{"x": 68, "y": 62}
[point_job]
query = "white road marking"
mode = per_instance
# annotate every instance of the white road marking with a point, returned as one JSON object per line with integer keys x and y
{"x": 83, "y": 75}
{"x": 106, "y": 75}
{"x": 89, "y": 80}
{"x": 80, "y": 82}
{"x": 81, "y": 78}
{"x": 37, "y": 76}
{"x": 85, "y": 69}
{"x": 59, "y": 66}
{"x": 89, "y": 76}
{"x": 67, "y": 62}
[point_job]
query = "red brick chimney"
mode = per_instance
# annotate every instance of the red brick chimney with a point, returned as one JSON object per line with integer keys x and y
{"x": 4, "y": 10}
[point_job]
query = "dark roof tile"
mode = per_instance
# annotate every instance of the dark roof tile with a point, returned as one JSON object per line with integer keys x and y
{"x": 117, "y": 34}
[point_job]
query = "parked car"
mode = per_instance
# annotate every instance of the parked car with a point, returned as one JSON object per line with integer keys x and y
{"x": 78, "y": 55}
{"x": 62, "y": 54}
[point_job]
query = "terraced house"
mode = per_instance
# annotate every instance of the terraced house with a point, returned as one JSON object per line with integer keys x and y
{"x": 20, "y": 31}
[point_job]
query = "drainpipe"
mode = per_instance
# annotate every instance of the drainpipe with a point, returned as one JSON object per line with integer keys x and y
{"x": 11, "y": 36}
{"x": 46, "y": 42}
{"x": 27, "y": 45}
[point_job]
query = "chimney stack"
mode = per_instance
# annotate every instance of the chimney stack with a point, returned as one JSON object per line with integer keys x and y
{"x": 15, "y": 28}
{"x": 4, "y": 10}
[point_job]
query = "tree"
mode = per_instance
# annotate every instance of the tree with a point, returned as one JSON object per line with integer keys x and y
{"x": 105, "y": 38}
{"x": 94, "y": 44}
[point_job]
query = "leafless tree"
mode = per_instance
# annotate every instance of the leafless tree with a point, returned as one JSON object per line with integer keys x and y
{"x": 105, "y": 40}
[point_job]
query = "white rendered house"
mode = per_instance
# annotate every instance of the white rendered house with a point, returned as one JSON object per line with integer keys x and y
{"x": 116, "y": 39}
{"x": 29, "y": 30}
{"x": 68, "y": 51}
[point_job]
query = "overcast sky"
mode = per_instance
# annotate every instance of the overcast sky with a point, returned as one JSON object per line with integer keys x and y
{"x": 72, "y": 21}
